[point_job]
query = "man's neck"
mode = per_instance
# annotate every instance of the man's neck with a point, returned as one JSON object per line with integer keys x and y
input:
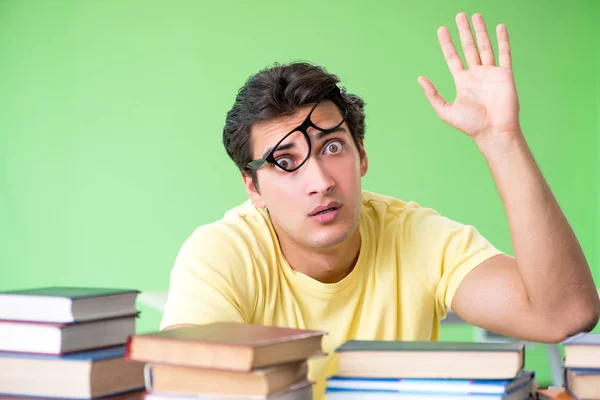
{"x": 329, "y": 265}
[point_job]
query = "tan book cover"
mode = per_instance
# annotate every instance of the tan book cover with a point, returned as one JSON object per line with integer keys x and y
{"x": 430, "y": 359}
{"x": 225, "y": 345}
{"x": 259, "y": 382}
{"x": 298, "y": 391}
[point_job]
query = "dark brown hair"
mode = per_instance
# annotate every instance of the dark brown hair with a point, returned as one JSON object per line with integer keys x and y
{"x": 279, "y": 91}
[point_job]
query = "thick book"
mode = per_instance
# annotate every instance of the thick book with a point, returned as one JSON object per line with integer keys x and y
{"x": 583, "y": 384}
{"x": 66, "y": 304}
{"x": 458, "y": 386}
{"x": 298, "y": 391}
{"x": 259, "y": 382}
{"x": 89, "y": 374}
{"x": 525, "y": 390}
{"x": 582, "y": 350}
{"x": 429, "y": 359}
{"x": 225, "y": 345}
{"x": 53, "y": 338}
{"x": 524, "y": 393}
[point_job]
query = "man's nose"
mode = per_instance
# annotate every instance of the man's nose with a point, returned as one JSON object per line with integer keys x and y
{"x": 319, "y": 181}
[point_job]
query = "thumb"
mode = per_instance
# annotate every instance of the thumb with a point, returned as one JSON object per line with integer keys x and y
{"x": 441, "y": 106}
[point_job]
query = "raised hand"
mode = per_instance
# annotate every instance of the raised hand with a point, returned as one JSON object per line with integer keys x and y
{"x": 486, "y": 103}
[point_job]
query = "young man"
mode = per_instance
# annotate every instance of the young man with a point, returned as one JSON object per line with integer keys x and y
{"x": 310, "y": 249}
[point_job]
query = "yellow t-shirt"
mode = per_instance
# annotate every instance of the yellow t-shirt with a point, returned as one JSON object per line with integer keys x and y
{"x": 410, "y": 264}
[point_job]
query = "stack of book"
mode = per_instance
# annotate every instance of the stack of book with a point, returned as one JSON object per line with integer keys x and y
{"x": 68, "y": 342}
{"x": 227, "y": 360}
{"x": 582, "y": 365}
{"x": 431, "y": 370}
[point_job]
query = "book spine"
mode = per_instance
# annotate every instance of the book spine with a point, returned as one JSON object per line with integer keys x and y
{"x": 128, "y": 344}
{"x": 148, "y": 377}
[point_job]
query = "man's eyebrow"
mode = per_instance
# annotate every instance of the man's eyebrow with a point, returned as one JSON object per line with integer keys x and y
{"x": 281, "y": 147}
{"x": 319, "y": 136}
{"x": 322, "y": 134}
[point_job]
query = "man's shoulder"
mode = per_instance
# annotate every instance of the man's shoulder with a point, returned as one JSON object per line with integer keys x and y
{"x": 240, "y": 226}
{"x": 389, "y": 207}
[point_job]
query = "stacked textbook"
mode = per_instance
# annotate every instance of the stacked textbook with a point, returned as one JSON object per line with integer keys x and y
{"x": 68, "y": 343}
{"x": 582, "y": 366}
{"x": 226, "y": 360}
{"x": 431, "y": 370}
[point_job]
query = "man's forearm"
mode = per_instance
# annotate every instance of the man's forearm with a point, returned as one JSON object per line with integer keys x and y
{"x": 550, "y": 260}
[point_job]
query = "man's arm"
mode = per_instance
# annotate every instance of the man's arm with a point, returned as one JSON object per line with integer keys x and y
{"x": 546, "y": 292}
{"x": 177, "y": 326}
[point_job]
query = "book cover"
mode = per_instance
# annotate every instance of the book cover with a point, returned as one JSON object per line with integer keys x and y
{"x": 464, "y": 386}
{"x": 430, "y": 359}
{"x": 62, "y": 338}
{"x": 234, "y": 334}
{"x": 583, "y": 339}
{"x": 399, "y": 345}
{"x": 66, "y": 304}
{"x": 61, "y": 325}
{"x": 135, "y": 394}
{"x": 225, "y": 345}
{"x": 106, "y": 353}
{"x": 67, "y": 292}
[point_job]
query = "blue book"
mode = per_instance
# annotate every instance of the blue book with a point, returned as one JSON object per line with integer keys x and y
{"x": 458, "y": 386}
{"x": 334, "y": 394}
{"x": 524, "y": 390}
{"x": 93, "y": 355}
{"x": 82, "y": 375}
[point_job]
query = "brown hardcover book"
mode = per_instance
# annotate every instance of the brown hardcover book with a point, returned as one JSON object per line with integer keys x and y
{"x": 553, "y": 394}
{"x": 225, "y": 345}
{"x": 135, "y": 395}
{"x": 260, "y": 382}
{"x": 430, "y": 359}
{"x": 82, "y": 375}
{"x": 298, "y": 391}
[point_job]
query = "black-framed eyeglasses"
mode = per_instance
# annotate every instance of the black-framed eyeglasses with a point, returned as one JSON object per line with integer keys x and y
{"x": 292, "y": 151}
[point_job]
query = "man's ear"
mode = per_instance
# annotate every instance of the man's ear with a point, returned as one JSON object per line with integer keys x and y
{"x": 252, "y": 191}
{"x": 364, "y": 160}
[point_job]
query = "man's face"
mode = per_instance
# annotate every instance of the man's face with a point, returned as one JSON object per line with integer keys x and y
{"x": 329, "y": 180}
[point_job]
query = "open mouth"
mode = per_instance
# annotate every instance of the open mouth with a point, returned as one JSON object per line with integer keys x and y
{"x": 326, "y": 211}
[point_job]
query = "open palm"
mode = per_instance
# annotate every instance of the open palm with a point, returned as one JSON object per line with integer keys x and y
{"x": 486, "y": 96}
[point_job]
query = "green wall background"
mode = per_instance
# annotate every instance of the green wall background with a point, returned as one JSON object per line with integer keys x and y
{"x": 596, "y": 14}
{"x": 111, "y": 115}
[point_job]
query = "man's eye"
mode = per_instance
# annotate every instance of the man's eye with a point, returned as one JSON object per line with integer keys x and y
{"x": 285, "y": 162}
{"x": 334, "y": 147}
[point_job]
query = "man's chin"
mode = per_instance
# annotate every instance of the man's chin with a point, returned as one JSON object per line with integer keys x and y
{"x": 330, "y": 239}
